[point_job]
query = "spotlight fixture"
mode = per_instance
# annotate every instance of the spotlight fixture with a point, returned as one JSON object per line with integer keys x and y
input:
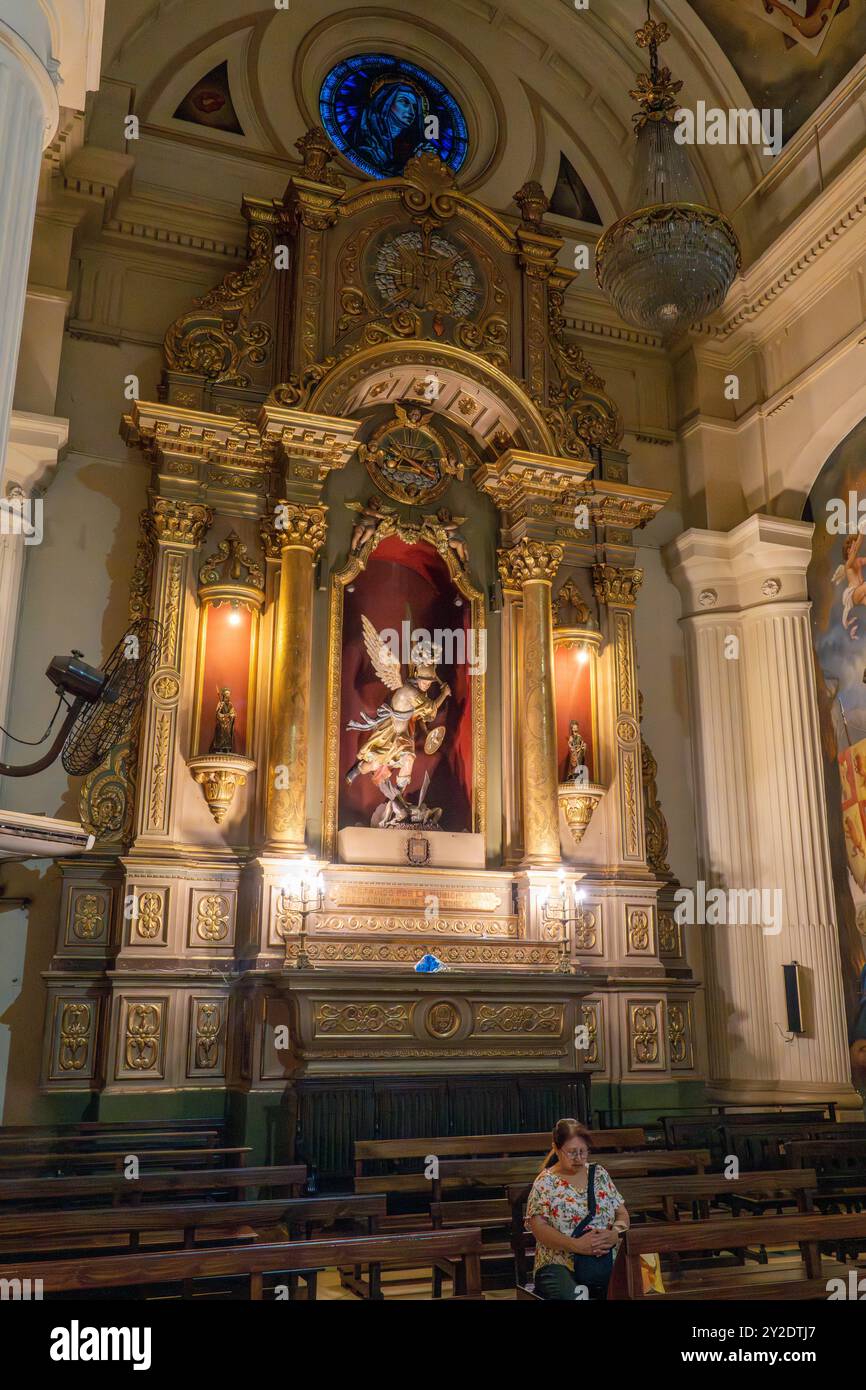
{"x": 670, "y": 262}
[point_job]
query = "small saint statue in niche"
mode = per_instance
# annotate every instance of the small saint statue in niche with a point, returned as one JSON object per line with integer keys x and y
{"x": 224, "y": 731}
{"x": 576, "y": 753}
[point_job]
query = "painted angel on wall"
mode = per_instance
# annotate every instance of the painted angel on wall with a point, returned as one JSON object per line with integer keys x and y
{"x": 388, "y": 754}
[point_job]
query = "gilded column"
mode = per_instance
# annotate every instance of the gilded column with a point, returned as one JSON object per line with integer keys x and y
{"x": 616, "y": 589}
{"x": 296, "y": 532}
{"x": 530, "y": 568}
{"x": 176, "y": 529}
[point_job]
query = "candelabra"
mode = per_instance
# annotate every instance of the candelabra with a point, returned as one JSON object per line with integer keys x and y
{"x": 555, "y": 911}
{"x": 304, "y": 892}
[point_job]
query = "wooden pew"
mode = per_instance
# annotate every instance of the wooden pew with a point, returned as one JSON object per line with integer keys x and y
{"x": 682, "y": 1237}
{"x": 696, "y": 1128}
{"x": 184, "y": 1222}
{"x": 393, "y": 1151}
{"x": 58, "y": 1164}
{"x": 15, "y": 1191}
{"x": 253, "y": 1262}
{"x": 84, "y": 1129}
{"x": 841, "y": 1170}
{"x": 649, "y": 1197}
{"x": 84, "y": 1143}
{"x": 29, "y": 1235}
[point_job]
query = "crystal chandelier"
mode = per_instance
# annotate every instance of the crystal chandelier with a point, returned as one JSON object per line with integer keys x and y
{"x": 670, "y": 263}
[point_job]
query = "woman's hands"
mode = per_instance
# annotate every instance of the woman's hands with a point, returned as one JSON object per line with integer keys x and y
{"x": 585, "y": 1245}
{"x": 602, "y": 1241}
{"x": 594, "y": 1243}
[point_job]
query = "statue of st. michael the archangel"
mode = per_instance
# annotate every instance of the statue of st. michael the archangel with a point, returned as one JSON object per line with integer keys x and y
{"x": 388, "y": 755}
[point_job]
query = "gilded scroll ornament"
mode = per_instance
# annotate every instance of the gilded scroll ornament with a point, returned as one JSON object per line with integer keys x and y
{"x": 208, "y": 1024}
{"x": 159, "y": 770}
{"x": 218, "y": 336}
{"x": 638, "y": 929}
{"x": 569, "y": 606}
{"x": 528, "y": 561}
{"x": 148, "y": 923}
{"x": 670, "y": 935}
{"x": 656, "y": 827}
{"x": 616, "y": 585}
{"x": 106, "y": 803}
{"x": 75, "y": 1022}
{"x": 88, "y": 920}
{"x": 212, "y": 917}
{"x": 388, "y": 1019}
{"x": 679, "y": 1034}
{"x": 590, "y": 1019}
{"x": 143, "y": 1028}
{"x": 644, "y": 1032}
{"x": 519, "y": 1018}
{"x": 230, "y": 565}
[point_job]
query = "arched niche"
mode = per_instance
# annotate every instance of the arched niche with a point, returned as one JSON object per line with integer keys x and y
{"x": 406, "y": 572}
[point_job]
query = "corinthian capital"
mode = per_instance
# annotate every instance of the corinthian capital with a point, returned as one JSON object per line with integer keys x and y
{"x": 613, "y": 584}
{"x": 177, "y": 523}
{"x": 293, "y": 524}
{"x": 528, "y": 560}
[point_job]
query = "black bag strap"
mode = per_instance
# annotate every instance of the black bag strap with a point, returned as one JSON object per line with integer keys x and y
{"x": 582, "y": 1226}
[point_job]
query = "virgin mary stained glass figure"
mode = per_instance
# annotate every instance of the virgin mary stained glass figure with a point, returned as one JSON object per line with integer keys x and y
{"x": 381, "y": 111}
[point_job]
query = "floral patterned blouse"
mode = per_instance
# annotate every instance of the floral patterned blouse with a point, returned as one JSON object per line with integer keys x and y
{"x": 555, "y": 1200}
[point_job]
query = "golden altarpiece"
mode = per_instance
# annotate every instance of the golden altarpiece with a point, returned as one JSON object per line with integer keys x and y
{"x": 379, "y": 422}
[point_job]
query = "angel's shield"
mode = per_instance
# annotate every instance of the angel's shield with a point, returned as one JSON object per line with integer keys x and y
{"x": 852, "y": 776}
{"x": 434, "y": 740}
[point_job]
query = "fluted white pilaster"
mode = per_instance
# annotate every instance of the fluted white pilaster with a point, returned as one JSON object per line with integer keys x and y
{"x": 762, "y": 812}
{"x": 28, "y": 116}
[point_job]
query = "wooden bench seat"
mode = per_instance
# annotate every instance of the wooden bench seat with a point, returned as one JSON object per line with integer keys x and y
{"x": 32, "y": 1164}
{"x": 117, "y": 1188}
{"x": 807, "y": 1230}
{"x": 254, "y": 1262}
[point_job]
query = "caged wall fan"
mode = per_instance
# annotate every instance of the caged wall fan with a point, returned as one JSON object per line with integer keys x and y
{"x": 104, "y": 703}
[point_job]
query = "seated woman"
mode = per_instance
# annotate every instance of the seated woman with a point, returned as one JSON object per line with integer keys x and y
{"x": 576, "y": 1228}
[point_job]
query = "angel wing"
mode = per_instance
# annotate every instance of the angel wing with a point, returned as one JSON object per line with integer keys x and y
{"x": 355, "y": 506}
{"x": 403, "y": 419}
{"x": 385, "y": 663}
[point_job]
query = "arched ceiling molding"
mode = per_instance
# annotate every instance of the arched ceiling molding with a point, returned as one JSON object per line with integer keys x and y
{"x": 558, "y": 137}
{"x": 822, "y": 437}
{"x": 583, "y": 59}
{"x": 234, "y": 48}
